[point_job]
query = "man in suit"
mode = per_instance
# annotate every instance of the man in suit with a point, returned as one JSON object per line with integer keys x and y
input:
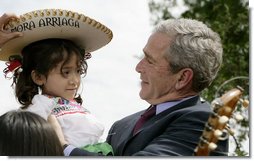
{"x": 181, "y": 59}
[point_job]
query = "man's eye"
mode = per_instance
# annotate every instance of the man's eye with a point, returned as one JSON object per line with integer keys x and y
{"x": 149, "y": 61}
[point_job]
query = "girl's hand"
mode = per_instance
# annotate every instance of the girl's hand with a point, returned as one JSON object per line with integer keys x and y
{"x": 4, "y": 35}
{"x": 53, "y": 121}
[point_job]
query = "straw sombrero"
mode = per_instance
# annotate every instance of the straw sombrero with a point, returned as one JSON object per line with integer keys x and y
{"x": 55, "y": 23}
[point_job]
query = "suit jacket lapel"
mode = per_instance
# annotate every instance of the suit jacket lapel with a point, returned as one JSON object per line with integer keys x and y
{"x": 129, "y": 131}
{"x": 153, "y": 120}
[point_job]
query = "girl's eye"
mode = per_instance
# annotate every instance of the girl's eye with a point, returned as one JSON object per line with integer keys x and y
{"x": 79, "y": 71}
{"x": 66, "y": 73}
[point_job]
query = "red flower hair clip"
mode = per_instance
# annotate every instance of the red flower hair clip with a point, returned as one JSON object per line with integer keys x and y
{"x": 13, "y": 66}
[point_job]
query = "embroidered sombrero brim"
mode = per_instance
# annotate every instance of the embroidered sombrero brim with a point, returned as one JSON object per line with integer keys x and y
{"x": 55, "y": 23}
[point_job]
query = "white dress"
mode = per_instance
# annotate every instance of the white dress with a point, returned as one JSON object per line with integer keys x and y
{"x": 79, "y": 126}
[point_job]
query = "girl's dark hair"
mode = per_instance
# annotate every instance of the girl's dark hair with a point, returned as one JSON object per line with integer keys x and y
{"x": 25, "y": 133}
{"x": 42, "y": 56}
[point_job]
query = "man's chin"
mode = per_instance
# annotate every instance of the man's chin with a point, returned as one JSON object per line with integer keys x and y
{"x": 142, "y": 95}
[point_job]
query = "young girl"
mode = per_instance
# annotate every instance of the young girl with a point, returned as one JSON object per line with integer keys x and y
{"x": 53, "y": 67}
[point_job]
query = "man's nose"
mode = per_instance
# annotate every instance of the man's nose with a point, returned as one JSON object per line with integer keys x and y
{"x": 140, "y": 66}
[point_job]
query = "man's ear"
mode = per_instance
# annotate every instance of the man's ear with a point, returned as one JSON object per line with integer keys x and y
{"x": 184, "y": 78}
{"x": 37, "y": 78}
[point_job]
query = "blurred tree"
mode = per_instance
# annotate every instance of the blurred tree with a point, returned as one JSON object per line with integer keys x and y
{"x": 230, "y": 19}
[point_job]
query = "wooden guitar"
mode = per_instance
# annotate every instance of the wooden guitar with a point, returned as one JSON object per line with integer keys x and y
{"x": 216, "y": 126}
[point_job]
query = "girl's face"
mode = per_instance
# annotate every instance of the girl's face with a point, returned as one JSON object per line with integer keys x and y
{"x": 64, "y": 80}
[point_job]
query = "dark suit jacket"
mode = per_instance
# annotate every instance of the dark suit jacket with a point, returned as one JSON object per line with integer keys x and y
{"x": 174, "y": 132}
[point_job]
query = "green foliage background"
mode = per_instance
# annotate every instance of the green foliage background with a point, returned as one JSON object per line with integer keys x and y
{"x": 230, "y": 19}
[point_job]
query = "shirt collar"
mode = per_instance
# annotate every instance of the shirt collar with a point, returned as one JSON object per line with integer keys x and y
{"x": 166, "y": 105}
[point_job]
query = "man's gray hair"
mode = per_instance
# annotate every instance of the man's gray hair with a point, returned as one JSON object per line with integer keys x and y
{"x": 195, "y": 46}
